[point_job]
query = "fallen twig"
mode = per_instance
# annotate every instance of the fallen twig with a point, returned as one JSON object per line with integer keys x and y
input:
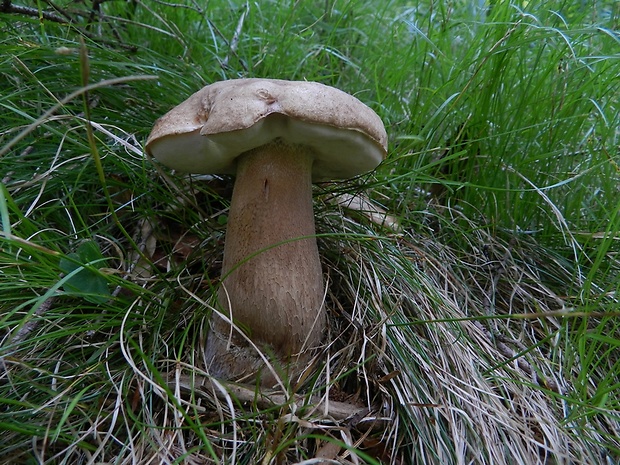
{"x": 309, "y": 409}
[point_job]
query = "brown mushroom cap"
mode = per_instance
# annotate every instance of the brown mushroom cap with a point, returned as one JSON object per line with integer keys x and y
{"x": 206, "y": 132}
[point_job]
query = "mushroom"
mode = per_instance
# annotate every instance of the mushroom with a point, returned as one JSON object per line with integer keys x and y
{"x": 276, "y": 137}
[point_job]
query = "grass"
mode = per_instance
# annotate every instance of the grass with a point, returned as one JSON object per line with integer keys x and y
{"x": 480, "y": 328}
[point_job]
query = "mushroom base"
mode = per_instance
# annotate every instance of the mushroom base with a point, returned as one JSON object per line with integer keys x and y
{"x": 272, "y": 283}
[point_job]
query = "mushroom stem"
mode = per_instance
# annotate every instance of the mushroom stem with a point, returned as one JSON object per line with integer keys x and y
{"x": 272, "y": 281}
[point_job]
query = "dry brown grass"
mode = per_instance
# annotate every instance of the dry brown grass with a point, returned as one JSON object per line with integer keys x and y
{"x": 444, "y": 354}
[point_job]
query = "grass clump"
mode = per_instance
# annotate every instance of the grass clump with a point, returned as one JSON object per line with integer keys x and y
{"x": 471, "y": 291}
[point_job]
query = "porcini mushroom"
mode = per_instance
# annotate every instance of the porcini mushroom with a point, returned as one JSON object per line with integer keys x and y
{"x": 276, "y": 137}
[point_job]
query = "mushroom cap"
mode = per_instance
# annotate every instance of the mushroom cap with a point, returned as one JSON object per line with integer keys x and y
{"x": 207, "y": 132}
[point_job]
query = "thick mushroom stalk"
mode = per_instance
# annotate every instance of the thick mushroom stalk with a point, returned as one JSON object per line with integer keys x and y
{"x": 272, "y": 284}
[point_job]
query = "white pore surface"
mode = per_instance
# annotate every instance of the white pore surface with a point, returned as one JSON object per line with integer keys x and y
{"x": 340, "y": 153}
